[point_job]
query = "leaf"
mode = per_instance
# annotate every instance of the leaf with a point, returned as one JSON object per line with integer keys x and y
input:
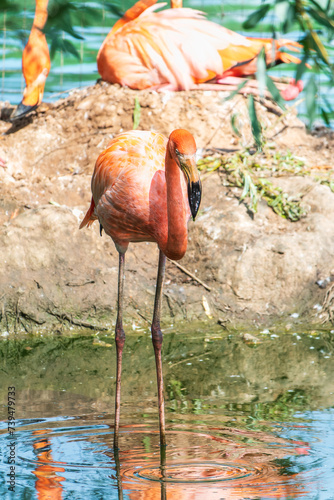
{"x": 310, "y": 99}
{"x": 256, "y": 16}
{"x": 69, "y": 48}
{"x": 290, "y": 19}
{"x": 59, "y": 19}
{"x": 321, "y": 18}
{"x": 247, "y": 182}
{"x": 58, "y": 43}
{"x": 9, "y": 5}
{"x": 206, "y": 306}
{"x": 255, "y": 124}
{"x": 301, "y": 67}
{"x": 111, "y": 7}
{"x": 254, "y": 197}
{"x": 233, "y": 124}
{"x": 328, "y": 104}
{"x": 235, "y": 92}
{"x": 275, "y": 93}
{"x": 318, "y": 6}
{"x": 86, "y": 15}
{"x": 10, "y": 22}
{"x": 318, "y": 46}
{"x": 325, "y": 117}
{"x": 261, "y": 71}
{"x": 136, "y": 113}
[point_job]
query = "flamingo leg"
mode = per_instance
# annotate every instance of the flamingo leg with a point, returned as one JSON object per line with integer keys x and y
{"x": 163, "y": 473}
{"x": 118, "y": 475}
{"x": 119, "y": 339}
{"x": 157, "y": 344}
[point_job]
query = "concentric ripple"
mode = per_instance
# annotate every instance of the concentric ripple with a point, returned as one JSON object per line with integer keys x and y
{"x": 200, "y": 459}
{"x": 195, "y": 473}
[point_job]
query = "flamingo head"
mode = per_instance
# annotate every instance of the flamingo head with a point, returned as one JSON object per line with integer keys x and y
{"x": 182, "y": 148}
{"x": 32, "y": 96}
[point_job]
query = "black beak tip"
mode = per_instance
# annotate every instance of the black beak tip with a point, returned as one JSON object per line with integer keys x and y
{"x": 194, "y": 194}
{"x": 21, "y": 111}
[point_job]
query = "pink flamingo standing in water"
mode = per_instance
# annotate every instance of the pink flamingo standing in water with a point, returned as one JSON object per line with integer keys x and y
{"x": 145, "y": 188}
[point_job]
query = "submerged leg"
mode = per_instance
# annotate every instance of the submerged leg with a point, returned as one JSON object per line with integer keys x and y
{"x": 157, "y": 344}
{"x": 118, "y": 475}
{"x": 119, "y": 339}
{"x": 163, "y": 473}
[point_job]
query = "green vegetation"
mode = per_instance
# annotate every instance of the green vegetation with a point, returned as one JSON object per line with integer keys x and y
{"x": 314, "y": 20}
{"x": 249, "y": 171}
{"x": 136, "y": 114}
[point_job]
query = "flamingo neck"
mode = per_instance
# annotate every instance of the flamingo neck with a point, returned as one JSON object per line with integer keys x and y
{"x": 41, "y": 14}
{"x": 177, "y": 215}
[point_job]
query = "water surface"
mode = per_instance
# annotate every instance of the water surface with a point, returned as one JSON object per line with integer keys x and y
{"x": 246, "y": 418}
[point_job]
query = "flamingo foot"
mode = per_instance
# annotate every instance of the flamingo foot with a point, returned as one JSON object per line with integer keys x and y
{"x": 292, "y": 90}
{"x": 289, "y": 91}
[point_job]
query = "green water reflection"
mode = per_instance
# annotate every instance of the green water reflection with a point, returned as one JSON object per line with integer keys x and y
{"x": 288, "y": 372}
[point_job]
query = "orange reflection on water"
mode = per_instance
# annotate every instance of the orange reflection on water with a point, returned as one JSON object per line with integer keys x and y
{"x": 270, "y": 484}
{"x": 48, "y": 483}
{"x": 234, "y": 464}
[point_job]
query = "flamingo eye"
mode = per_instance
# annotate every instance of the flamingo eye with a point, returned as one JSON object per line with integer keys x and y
{"x": 177, "y": 151}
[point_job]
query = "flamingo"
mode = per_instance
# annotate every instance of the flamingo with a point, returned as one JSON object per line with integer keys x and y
{"x": 145, "y": 188}
{"x": 35, "y": 63}
{"x": 177, "y": 49}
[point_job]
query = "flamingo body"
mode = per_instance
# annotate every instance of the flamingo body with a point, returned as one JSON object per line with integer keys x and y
{"x": 129, "y": 193}
{"x": 145, "y": 188}
{"x": 179, "y": 48}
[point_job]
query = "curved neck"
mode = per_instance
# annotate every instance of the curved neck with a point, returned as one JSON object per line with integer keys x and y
{"x": 177, "y": 214}
{"x": 41, "y": 14}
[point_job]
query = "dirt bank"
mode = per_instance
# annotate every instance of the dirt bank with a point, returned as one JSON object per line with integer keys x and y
{"x": 258, "y": 267}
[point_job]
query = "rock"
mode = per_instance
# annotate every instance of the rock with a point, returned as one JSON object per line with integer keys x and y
{"x": 259, "y": 268}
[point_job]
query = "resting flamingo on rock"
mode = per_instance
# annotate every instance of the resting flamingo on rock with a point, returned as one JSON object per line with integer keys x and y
{"x": 178, "y": 49}
{"x": 145, "y": 188}
{"x": 35, "y": 62}
{"x": 175, "y": 49}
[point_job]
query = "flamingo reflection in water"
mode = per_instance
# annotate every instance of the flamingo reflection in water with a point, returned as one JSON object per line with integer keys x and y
{"x": 48, "y": 483}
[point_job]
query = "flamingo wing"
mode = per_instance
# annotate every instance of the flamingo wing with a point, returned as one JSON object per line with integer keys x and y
{"x": 129, "y": 188}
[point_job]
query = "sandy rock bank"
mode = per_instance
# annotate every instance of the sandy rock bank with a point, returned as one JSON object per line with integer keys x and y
{"x": 261, "y": 267}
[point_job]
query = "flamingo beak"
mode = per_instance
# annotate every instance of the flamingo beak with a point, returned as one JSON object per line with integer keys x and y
{"x": 22, "y": 110}
{"x": 189, "y": 168}
{"x": 32, "y": 96}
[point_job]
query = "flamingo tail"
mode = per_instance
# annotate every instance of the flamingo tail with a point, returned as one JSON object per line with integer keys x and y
{"x": 132, "y": 13}
{"x": 90, "y": 217}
